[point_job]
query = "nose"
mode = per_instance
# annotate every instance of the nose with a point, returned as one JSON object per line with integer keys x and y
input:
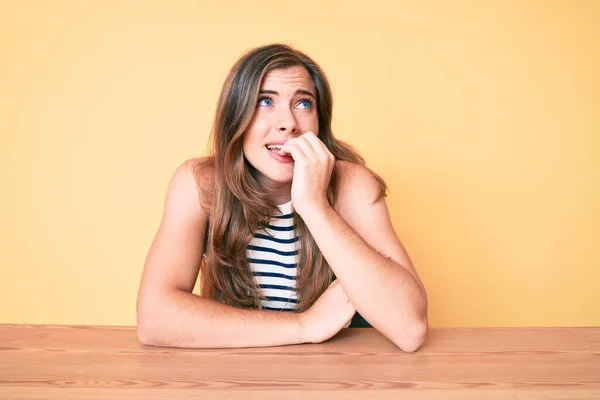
{"x": 286, "y": 122}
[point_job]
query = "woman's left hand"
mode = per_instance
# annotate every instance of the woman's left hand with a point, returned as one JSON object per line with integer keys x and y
{"x": 313, "y": 163}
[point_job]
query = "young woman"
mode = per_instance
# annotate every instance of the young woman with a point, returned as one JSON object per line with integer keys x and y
{"x": 288, "y": 228}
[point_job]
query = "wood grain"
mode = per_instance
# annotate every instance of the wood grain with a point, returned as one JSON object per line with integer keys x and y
{"x": 80, "y": 362}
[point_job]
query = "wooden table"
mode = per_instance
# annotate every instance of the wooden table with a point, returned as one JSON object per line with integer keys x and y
{"x": 80, "y": 362}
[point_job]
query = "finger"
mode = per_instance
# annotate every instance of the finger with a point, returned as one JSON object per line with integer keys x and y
{"x": 303, "y": 149}
{"x": 287, "y": 146}
{"x": 296, "y": 151}
{"x": 320, "y": 149}
{"x": 307, "y": 148}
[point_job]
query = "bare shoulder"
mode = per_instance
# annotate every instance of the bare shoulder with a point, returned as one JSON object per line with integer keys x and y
{"x": 357, "y": 187}
{"x": 175, "y": 254}
{"x": 190, "y": 188}
{"x": 361, "y": 203}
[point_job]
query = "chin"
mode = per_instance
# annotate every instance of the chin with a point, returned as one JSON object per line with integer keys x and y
{"x": 279, "y": 178}
{"x": 273, "y": 171}
{"x": 278, "y": 173}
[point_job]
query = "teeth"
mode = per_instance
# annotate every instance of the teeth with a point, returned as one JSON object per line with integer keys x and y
{"x": 274, "y": 146}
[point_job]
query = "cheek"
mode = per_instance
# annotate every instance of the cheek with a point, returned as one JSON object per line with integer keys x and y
{"x": 257, "y": 130}
{"x": 246, "y": 140}
{"x": 252, "y": 134}
{"x": 250, "y": 149}
{"x": 252, "y": 143}
{"x": 308, "y": 123}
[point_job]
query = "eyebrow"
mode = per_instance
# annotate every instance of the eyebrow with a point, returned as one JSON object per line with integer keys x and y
{"x": 299, "y": 91}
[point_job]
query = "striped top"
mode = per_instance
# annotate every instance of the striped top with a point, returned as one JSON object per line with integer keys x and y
{"x": 272, "y": 256}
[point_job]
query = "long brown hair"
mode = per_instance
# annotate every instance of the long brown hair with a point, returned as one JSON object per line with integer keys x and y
{"x": 236, "y": 202}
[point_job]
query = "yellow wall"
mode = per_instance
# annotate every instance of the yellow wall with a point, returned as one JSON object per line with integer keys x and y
{"x": 483, "y": 116}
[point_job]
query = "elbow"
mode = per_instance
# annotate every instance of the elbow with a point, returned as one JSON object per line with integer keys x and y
{"x": 151, "y": 333}
{"x": 155, "y": 325}
{"x": 148, "y": 331}
{"x": 146, "y": 335}
{"x": 410, "y": 340}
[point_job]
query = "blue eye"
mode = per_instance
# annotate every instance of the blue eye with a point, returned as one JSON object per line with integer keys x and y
{"x": 265, "y": 101}
{"x": 305, "y": 104}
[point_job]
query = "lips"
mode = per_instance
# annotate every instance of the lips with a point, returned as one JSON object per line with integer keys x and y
{"x": 274, "y": 152}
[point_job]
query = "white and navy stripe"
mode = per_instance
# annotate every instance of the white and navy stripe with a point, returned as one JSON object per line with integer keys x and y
{"x": 273, "y": 258}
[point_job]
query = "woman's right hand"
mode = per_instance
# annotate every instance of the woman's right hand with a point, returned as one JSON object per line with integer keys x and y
{"x": 327, "y": 316}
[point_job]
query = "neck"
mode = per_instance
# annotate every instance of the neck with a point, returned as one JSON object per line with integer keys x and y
{"x": 281, "y": 192}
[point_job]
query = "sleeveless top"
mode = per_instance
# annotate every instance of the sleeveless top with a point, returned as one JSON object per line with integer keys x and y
{"x": 273, "y": 258}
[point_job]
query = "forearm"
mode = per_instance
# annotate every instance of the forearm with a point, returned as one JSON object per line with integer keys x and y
{"x": 385, "y": 293}
{"x": 181, "y": 319}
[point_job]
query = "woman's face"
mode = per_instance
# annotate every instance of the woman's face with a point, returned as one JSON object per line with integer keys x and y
{"x": 286, "y": 109}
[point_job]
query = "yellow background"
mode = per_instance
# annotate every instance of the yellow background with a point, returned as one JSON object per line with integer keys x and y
{"x": 483, "y": 117}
